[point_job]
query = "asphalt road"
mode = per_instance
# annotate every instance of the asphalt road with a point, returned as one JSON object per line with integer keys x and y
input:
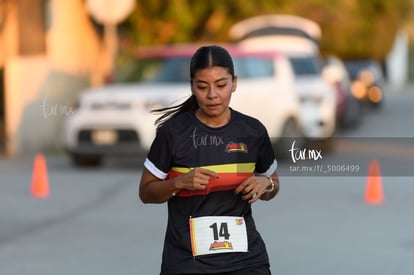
{"x": 93, "y": 223}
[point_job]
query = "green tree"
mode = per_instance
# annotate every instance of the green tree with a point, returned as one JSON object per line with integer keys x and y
{"x": 350, "y": 28}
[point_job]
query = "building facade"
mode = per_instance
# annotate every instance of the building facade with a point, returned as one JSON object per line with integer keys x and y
{"x": 49, "y": 52}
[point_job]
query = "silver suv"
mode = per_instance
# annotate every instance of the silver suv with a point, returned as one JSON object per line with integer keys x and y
{"x": 297, "y": 38}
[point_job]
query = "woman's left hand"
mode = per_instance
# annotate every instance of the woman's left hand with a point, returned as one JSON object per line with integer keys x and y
{"x": 253, "y": 188}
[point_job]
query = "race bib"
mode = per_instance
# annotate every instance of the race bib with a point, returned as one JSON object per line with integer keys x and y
{"x": 218, "y": 234}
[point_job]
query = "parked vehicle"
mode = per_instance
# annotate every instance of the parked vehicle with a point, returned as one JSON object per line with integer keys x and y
{"x": 349, "y": 109}
{"x": 298, "y": 38}
{"x": 116, "y": 119}
{"x": 367, "y": 80}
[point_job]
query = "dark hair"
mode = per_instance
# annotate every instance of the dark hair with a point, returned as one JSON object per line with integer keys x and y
{"x": 204, "y": 57}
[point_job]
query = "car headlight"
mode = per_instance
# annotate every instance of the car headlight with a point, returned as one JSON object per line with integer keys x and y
{"x": 374, "y": 94}
{"x": 366, "y": 77}
{"x": 359, "y": 90}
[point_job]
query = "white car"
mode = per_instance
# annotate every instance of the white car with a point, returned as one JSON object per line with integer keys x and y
{"x": 116, "y": 119}
{"x": 298, "y": 38}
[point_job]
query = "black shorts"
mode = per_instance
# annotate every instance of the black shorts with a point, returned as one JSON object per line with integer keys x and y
{"x": 262, "y": 270}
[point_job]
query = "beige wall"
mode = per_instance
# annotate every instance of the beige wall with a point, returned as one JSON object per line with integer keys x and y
{"x": 37, "y": 86}
{"x": 72, "y": 43}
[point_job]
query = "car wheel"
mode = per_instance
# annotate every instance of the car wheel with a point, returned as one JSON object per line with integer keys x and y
{"x": 86, "y": 160}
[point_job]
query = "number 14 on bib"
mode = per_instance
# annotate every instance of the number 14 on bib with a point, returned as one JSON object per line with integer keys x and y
{"x": 218, "y": 234}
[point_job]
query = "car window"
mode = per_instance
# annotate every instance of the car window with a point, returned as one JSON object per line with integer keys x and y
{"x": 173, "y": 70}
{"x": 308, "y": 65}
{"x": 176, "y": 69}
{"x": 355, "y": 67}
{"x": 253, "y": 67}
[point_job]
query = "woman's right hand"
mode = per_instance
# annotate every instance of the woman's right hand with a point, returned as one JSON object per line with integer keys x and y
{"x": 197, "y": 179}
{"x": 155, "y": 190}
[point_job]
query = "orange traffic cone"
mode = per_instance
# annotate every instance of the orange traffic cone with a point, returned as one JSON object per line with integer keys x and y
{"x": 40, "y": 182}
{"x": 373, "y": 190}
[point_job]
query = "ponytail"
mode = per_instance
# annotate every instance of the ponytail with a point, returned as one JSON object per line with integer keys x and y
{"x": 169, "y": 112}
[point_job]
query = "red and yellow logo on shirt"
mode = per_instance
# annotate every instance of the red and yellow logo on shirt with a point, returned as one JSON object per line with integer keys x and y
{"x": 232, "y": 147}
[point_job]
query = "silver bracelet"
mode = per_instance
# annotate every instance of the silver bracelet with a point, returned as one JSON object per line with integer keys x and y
{"x": 268, "y": 190}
